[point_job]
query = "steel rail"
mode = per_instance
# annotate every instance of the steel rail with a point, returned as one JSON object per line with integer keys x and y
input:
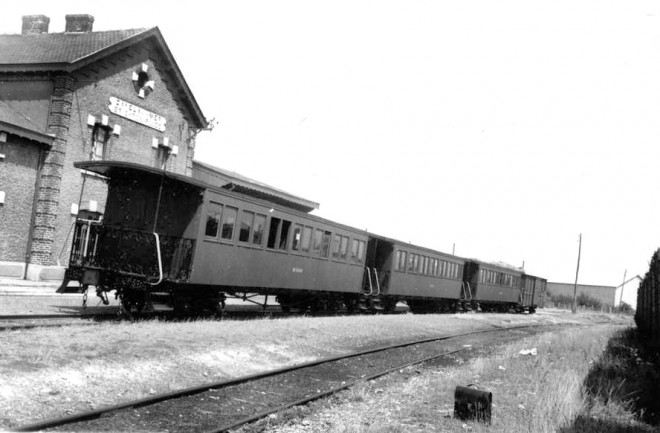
{"x": 97, "y": 413}
{"x": 5, "y": 318}
{"x": 330, "y": 392}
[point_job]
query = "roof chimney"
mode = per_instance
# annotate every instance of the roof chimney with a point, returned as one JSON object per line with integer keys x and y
{"x": 79, "y": 23}
{"x": 35, "y": 24}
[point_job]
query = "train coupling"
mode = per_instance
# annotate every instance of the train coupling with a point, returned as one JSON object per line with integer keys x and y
{"x": 66, "y": 288}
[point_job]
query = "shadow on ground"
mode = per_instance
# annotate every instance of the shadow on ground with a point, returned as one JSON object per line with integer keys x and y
{"x": 622, "y": 388}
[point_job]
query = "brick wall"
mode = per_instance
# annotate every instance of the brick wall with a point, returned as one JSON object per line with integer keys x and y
{"x": 94, "y": 86}
{"x": 48, "y": 194}
{"x": 65, "y": 113}
{"x": 18, "y": 172}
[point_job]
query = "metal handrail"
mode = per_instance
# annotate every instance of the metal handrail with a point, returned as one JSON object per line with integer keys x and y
{"x": 467, "y": 291}
{"x": 160, "y": 261}
{"x": 371, "y": 289}
{"x": 377, "y": 282}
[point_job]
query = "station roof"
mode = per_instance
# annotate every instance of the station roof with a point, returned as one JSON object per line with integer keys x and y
{"x": 236, "y": 182}
{"x": 14, "y": 122}
{"x": 69, "y": 51}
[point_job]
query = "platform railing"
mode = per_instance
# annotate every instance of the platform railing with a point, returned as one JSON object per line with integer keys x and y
{"x": 132, "y": 251}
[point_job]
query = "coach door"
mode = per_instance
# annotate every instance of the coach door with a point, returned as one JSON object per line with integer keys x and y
{"x": 378, "y": 266}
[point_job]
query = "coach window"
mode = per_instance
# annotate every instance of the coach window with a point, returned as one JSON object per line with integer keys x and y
{"x": 325, "y": 244}
{"x": 297, "y": 234}
{"x": 335, "y": 246}
{"x": 284, "y": 237}
{"x": 404, "y": 261}
{"x": 434, "y": 267}
{"x": 360, "y": 255}
{"x": 413, "y": 263}
{"x": 306, "y": 239}
{"x": 272, "y": 232}
{"x": 397, "y": 259}
{"x": 228, "y": 222}
{"x": 343, "y": 249}
{"x": 317, "y": 241}
{"x": 247, "y": 218}
{"x": 259, "y": 226}
{"x": 354, "y": 250}
{"x": 213, "y": 220}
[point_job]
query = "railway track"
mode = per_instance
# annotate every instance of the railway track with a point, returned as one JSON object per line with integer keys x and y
{"x": 222, "y": 406}
{"x": 32, "y": 321}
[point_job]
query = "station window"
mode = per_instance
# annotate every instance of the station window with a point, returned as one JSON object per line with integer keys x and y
{"x": 258, "y": 229}
{"x": 343, "y": 249}
{"x": 297, "y": 235}
{"x": 247, "y": 218}
{"x": 100, "y": 137}
{"x": 228, "y": 222}
{"x": 213, "y": 220}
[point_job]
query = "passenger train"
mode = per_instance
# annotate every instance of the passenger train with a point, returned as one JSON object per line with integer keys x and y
{"x": 172, "y": 240}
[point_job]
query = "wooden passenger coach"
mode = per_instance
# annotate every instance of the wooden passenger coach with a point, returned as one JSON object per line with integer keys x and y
{"x": 164, "y": 232}
{"x": 171, "y": 239}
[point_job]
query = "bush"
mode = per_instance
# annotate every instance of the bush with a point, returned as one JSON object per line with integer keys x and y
{"x": 583, "y": 300}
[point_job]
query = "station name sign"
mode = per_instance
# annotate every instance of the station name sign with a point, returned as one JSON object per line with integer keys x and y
{"x": 137, "y": 114}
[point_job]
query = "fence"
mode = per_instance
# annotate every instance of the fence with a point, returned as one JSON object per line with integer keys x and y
{"x": 647, "y": 316}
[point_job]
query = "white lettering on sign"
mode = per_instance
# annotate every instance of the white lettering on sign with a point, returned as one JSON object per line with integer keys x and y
{"x": 297, "y": 270}
{"x": 137, "y": 114}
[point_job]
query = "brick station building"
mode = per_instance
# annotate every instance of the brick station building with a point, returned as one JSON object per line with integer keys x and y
{"x": 80, "y": 95}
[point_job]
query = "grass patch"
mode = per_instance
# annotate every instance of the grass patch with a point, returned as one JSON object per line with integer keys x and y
{"x": 56, "y": 371}
{"x": 556, "y": 390}
{"x": 621, "y": 390}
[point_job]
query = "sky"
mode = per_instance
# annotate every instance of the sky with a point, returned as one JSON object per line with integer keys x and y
{"x": 498, "y": 130}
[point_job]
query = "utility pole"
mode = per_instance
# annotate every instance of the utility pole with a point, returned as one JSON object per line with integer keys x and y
{"x": 577, "y": 271}
{"x": 622, "y": 286}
